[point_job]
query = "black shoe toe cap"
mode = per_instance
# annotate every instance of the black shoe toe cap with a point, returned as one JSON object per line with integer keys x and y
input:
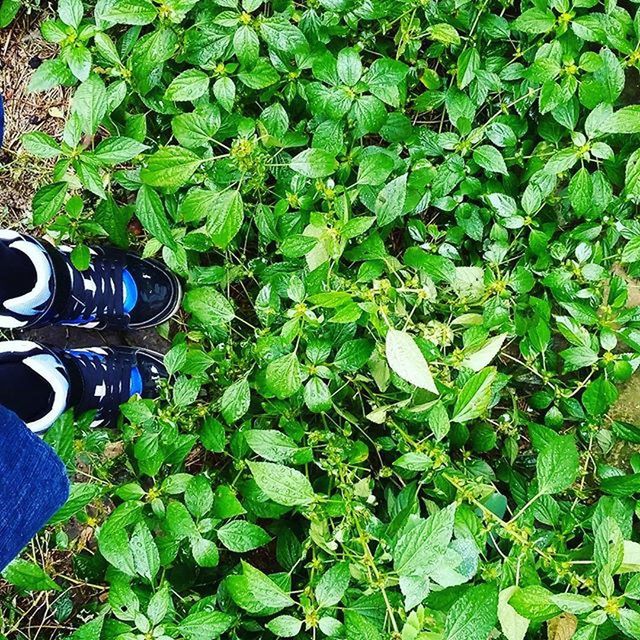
{"x": 159, "y": 292}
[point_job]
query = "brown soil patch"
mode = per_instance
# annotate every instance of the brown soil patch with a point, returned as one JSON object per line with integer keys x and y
{"x": 21, "y": 51}
{"x": 633, "y": 286}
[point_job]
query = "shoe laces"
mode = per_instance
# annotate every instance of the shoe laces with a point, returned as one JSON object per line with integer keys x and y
{"x": 97, "y": 294}
{"x": 105, "y": 377}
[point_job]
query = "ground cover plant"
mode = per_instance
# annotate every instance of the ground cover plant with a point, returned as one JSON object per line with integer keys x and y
{"x": 408, "y": 231}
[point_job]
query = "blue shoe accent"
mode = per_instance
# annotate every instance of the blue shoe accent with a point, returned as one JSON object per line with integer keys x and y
{"x": 135, "y": 386}
{"x": 130, "y": 291}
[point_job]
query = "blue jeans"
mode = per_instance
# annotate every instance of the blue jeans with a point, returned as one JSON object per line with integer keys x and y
{"x": 33, "y": 485}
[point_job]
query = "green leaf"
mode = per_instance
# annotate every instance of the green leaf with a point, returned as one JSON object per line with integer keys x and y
{"x": 468, "y": 64}
{"x": 70, "y": 12}
{"x": 558, "y": 465}
{"x": 261, "y": 76}
{"x": 391, "y": 200}
{"x": 271, "y": 445}
{"x": 375, "y": 168}
{"x": 241, "y": 536}
{"x": 625, "y": 120}
{"x": 283, "y": 376}
{"x": 205, "y": 625}
{"x": 29, "y": 577}
{"x": 8, "y": 11}
{"x": 439, "y": 421}
{"x": 118, "y": 149}
{"x": 89, "y": 103}
{"x": 513, "y": 625}
{"x": 406, "y": 359}
{"x": 81, "y": 257}
{"x": 349, "y": 67}
{"x": 235, "y": 401}
{"x": 482, "y": 356}
{"x": 188, "y": 86}
{"x": 535, "y": 21}
{"x": 581, "y": 192}
{"x": 444, "y": 33}
{"x": 50, "y": 74}
{"x": 297, "y": 245}
{"x": 534, "y": 603}
{"x": 113, "y": 540}
{"x": 317, "y": 395}
{"x": 209, "y": 307}
{"x": 246, "y": 45}
{"x": 264, "y": 589}
{"x": 198, "y": 496}
{"x": 47, "y": 202}
{"x": 419, "y": 550}
{"x": 474, "y": 398}
{"x": 282, "y": 484}
{"x": 474, "y": 615}
{"x": 225, "y": 218}
{"x": 631, "y": 251}
{"x": 282, "y": 35}
{"x": 79, "y": 61}
{"x": 169, "y": 168}
{"x": 630, "y": 622}
{"x": 285, "y": 626}
{"x": 490, "y": 158}
{"x": 333, "y": 585}
{"x": 224, "y": 90}
{"x": 150, "y": 211}
{"x": 632, "y": 176}
{"x": 205, "y": 552}
{"x": 314, "y": 163}
{"x": 146, "y": 558}
{"x": 134, "y": 12}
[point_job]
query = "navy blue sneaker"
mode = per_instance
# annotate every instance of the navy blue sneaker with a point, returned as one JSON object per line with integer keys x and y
{"x": 103, "y": 378}
{"x": 119, "y": 291}
{"x": 39, "y": 383}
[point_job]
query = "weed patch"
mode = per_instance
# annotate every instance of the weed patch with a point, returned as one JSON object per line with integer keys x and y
{"x": 409, "y": 234}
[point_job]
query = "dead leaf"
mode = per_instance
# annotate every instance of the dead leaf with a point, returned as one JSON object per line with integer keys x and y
{"x": 562, "y": 627}
{"x": 114, "y": 450}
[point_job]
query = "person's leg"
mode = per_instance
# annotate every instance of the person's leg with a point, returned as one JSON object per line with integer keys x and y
{"x": 33, "y": 485}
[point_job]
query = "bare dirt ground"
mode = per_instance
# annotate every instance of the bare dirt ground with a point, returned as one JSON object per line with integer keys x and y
{"x": 22, "y": 50}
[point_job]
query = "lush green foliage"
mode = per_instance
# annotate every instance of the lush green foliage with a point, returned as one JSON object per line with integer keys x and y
{"x": 407, "y": 228}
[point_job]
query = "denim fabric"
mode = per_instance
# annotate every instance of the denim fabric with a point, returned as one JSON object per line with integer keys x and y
{"x": 33, "y": 485}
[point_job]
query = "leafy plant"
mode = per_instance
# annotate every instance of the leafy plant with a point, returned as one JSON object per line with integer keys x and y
{"x": 409, "y": 231}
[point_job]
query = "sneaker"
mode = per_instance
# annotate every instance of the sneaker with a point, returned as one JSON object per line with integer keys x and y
{"x": 118, "y": 291}
{"x": 103, "y": 378}
{"x": 39, "y": 383}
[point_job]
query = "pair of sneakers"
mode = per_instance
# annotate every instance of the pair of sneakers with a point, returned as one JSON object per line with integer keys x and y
{"x": 119, "y": 291}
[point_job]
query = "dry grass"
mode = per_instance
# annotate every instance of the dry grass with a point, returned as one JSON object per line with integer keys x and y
{"x": 21, "y": 50}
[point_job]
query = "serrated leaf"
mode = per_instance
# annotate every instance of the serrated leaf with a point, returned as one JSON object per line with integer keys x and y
{"x": 406, "y": 359}
{"x": 281, "y": 484}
